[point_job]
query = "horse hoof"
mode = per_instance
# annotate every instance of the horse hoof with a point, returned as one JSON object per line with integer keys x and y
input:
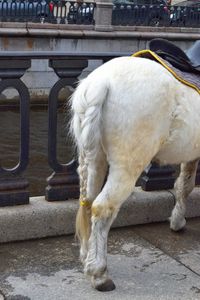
{"x": 177, "y": 224}
{"x": 106, "y": 286}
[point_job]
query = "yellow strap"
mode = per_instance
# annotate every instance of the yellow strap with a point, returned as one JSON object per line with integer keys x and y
{"x": 84, "y": 202}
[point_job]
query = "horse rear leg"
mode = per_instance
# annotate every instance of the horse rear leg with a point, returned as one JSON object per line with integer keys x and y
{"x": 92, "y": 173}
{"x": 118, "y": 187}
{"x": 183, "y": 187}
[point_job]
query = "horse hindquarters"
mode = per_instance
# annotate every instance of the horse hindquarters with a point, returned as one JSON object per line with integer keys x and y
{"x": 108, "y": 118}
{"x": 92, "y": 170}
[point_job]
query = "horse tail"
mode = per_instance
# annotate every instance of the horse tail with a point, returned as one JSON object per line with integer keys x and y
{"x": 87, "y": 102}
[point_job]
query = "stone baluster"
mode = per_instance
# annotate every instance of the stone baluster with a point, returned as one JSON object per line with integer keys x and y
{"x": 63, "y": 183}
{"x": 13, "y": 187}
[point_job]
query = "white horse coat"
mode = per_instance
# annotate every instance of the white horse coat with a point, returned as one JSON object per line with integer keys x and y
{"x": 127, "y": 113}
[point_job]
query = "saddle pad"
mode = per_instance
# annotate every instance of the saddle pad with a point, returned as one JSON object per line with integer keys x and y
{"x": 190, "y": 79}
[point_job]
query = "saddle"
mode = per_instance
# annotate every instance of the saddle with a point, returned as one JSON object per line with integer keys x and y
{"x": 187, "y": 61}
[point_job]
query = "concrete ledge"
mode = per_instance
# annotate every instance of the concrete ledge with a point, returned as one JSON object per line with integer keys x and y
{"x": 42, "y": 219}
{"x": 89, "y": 31}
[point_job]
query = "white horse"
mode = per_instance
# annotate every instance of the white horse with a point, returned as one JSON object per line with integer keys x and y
{"x": 126, "y": 113}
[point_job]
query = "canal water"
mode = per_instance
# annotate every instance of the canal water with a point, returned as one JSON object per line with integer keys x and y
{"x": 38, "y": 169}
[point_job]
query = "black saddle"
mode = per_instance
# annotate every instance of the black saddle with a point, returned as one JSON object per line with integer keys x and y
{"x": 188, "y": 61}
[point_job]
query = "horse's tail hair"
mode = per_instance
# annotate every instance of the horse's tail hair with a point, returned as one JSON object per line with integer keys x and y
{"x": 87, "y": 102}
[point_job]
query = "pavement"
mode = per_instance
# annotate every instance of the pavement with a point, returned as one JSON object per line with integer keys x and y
{"x": 39, "y": 257}
{"x": 146, "y": 262}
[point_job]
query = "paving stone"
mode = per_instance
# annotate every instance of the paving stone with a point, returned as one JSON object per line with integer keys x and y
{"x": 183, "y": 246}
{"x": 49, "y": 268}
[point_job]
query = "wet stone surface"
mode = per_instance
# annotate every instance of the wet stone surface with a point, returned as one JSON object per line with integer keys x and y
{"x": 145, "y": 262}
{"x": 184, "y": 246}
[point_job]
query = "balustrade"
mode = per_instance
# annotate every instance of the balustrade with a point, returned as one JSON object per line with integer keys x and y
{"x": 63, "y": 183}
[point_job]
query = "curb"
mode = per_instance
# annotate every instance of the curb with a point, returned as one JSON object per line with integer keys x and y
{"x": 44, "y": 219}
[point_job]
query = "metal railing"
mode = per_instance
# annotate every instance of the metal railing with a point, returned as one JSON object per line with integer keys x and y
{"x": 155, "y": 15}
{"x": 184, "y": 16}
{"x": 63, "y": 183}
{"x": 75, "y": 12}
{"x": 41, "y": 11}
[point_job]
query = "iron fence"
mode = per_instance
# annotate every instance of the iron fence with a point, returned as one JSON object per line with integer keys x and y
{"x": 58, "y": 12}
{"x": 78, "y": 12}
{"x": 184, "y": 16}
{"x": 155, "y": 15}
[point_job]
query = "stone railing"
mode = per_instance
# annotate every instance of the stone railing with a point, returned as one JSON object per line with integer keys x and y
{"x": 63, "y": 183}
